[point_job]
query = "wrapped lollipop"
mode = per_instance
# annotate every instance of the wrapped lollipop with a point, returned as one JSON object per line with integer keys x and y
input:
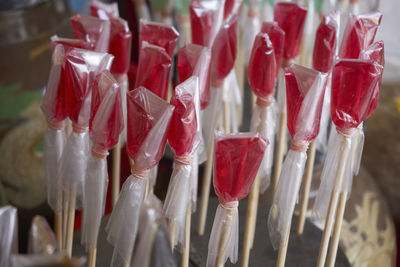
{"x": 305, "y": 90}
{"x": 359, "y": 34}
{"x": 148, "y": 121}
{"x": 323, "y": 56}
{"x": 354, "y": 96}
{"x": 290, "y": 18}
{"x": 223, "y": 56}
{"x": 102, "y": 10}
{"x": 106, "y": 124}
{"x": 9, "y": 236}
{"x": 252, "y": 27}
{"x": 237, "y": 158}
{"x": 81, "y": 70}
{"x": 92, "y": 30}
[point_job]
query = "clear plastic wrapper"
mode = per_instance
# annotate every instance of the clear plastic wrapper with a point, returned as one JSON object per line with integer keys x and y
{"x": 231, "y": 94}
{"x": 41, "y": 238}
{"x": 252, "y": 27}
{"x": 322, "y": 138}
{"x": 68, "y": 43}
{"x": 124, "y": 91}
{"x": 92, "y": 30}
{"x": 120, "y": 45}
{"x": 102, "y": 10}
{"x": 232, "y": 8}
{"x": 359, "y": 34}
{"x": 9, "y": 234}
{"x": 194, "y": 179}
{"x": 358, "y": 142}
{"x": 158, "y": 34}
{"x": 277, "y": 37}
{"x": 291, "y": 18}
{"x": 154, "y": 69}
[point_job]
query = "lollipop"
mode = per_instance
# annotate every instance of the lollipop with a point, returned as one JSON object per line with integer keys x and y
{"x": 277, "y": 38}
{"x": 252, "y": 25}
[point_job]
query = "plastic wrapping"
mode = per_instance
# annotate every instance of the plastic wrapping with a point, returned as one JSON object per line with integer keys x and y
{"x": 280, "y": 215}
{"x": 68, "y": 43}
{"x": 322, "y": 138}
{"x": 103, "y": 10}
{"x": 154, "y": 69}
{"x": 252, "y": 26}
{"x": 291, "y": 18}
{"x": 54, "y": 260}
{"x": 41, "y": 238}
{"x": 325, "y": 42}
{"x": 148, "y": 120}
{"x": 158, "y": 34}
{"x": 120, "y": 45}
{"x": 123, "y": 224}
{"x": 194, "y": 179}
{"x": 359, "y": 34}
{"x": 124, "y": 91}
{"x": 93, "y": 30}
{"x": 206, "y": 18}
{"x": 232, "y": 95}
{"x": 277, "y": 37}
{"x": 9, "y": 235}
{"x": 358, "y": 142}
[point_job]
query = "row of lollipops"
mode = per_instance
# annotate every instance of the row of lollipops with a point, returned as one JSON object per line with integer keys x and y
{"x": 88, "y": 85}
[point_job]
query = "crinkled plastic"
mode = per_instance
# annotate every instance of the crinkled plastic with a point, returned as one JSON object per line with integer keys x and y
{"x": 148, "y": 120}
{"x": 123, "y": 224}
{"x": 94, "y": 200}
{"x": 153, "y": 69}
{"x": 359, "y": 34}
{"x": 54, "y": 143}
{"x": 103, "y": 10}
{"x": 325, "y": 42}
{"x": 108, "y": 121}
{"x": 81, "y": 70}
{"x": 358, "y": 144}
{"x": 277, "y": 38}
{"x": 223, "y": 52}
{"x": 290, "y": 17}
{"x": 232, "y": 7}
{"x": 93, "y": 30}
{"x": 262, "y": 68}
{"x": 206, "y": 17}
{"x": 305, "y": 89}
{"x": 194, "y": 179}
{"x": 9, "y": 234}
{"x": 263, "y": 121}
{"x": 158, "y": 34}
{"x": 42, "y": 239}
{"x": 322, "y": 138}
{"x": 195, "y": 60}
{"x": 68, "y": 43}
{"x": 354, "y": 91}
{"x": 281, "y": 212}
{"x": 120, "y": 45}
{"x": 252, "y": 26}
{"x": 232, "y": 95}
{"x": 124, "y": 90}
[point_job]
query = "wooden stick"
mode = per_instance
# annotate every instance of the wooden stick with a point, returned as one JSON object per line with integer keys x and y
{"x": 65, "y": 217}
{"x": 186, "y": 247}
{"x": 280, "y": 151}
{"x": 306, "y": 188}
{"x": 283, "y": 246}
{"x": 332, "y": 205}
{"x": 116, "y": 175}
{"x": 224, "y": 237}
{"x": 171, "y": 232}
{"x": 336, "y": 231}
{"x": 71, "y": 220}
{"x": 227, "y": 117}
{"x": 251, "y": 219}
{"x": 58, "y": 229}
{"x": 92, "y": 257}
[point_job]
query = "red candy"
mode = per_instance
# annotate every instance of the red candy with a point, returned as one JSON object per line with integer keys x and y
{"x": 160, "y": 35}
{"x": 182, "y": 135}
{"x": 103, "y": 11}
{"x": 277, "y": 37}
{"x": 68, "y": 43}
{"x": 299, "y": 82}
{"x": 148, "y": 121}
{"x": 354, "y": 91}
{"x": 224, "y": 51}
{"x": 237, "y": 158}
{"x": 261, "y": 71}
{"x": 325, "y": 43}
{"x": 291, "y": 18}
{"x": 107, "y": 120}
{"x": 195, "y": 60}
{"x": 359, "y": 34}
{"x": 153, "y": 70}
{"x": 120, "y": 45}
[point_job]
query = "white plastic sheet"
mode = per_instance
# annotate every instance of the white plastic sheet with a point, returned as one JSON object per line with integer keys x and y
{"x": 9, "y": 234}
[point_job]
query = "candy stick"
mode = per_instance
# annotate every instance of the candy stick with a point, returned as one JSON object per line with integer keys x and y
{"x": 261, "y": 72}
{"x": 305, "y": 90}
{"x": 186, "y": 248}
{"x": 237, "y": 158}
{"x": 148, "y": 122}
{"x": 323, "y": 55}
{"x": 290, "y": 17}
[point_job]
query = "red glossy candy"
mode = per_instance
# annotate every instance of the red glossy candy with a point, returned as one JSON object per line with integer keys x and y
{"x": 92, "y": 30}
{"x": 103, "y": 11}
{"x": 153, "y": 70}
{"x": 182, "y": 134}
{"x": 301, "y": 82}
{"x": 359, "y": 34}
{"x": 277, "y": 38}
{"x": 237, "y": 158}
{"x": 195, "y": 60}
{"x": 148, "y": 120}
{"x": 354, "y": 91}
{"x": 107, "y": 121}
{"x": 290, "y": 17}
{"x": 325, "y": 43}
{"x": 261, "y": 71}
{"x": 223, "y": 53}
{"x": 159, "y": 34}
{"x": 120, "y": 45}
